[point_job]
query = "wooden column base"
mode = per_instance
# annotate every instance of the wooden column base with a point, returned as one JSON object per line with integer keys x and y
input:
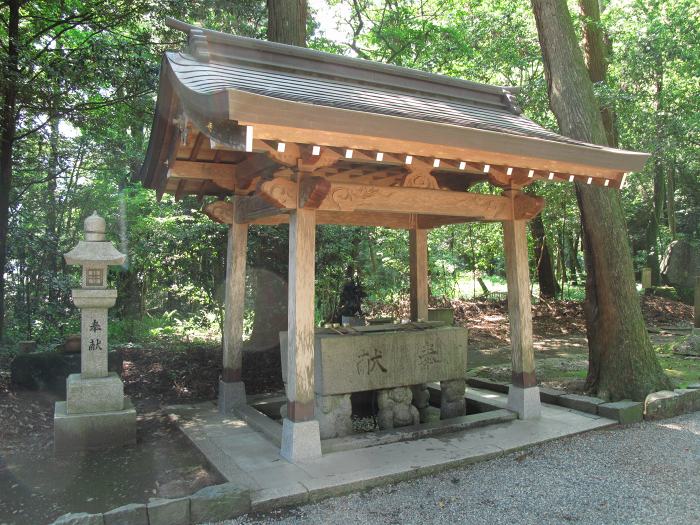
{"x": 231, "y": 375}
{"x": 298, "y": 412}
{"x": 524, "y": 379}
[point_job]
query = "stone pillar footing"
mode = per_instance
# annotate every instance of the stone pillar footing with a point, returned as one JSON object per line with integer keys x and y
{"x": 301, "y": 440}
{"x": 452, "y": 400}
{"x": 395, "y": 408}
{"x": 231, "y": 395}
{"x": 334, "y": 415}
{"x": 525, "y": 401}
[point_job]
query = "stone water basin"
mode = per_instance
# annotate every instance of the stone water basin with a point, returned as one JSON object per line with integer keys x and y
{"x": 396, "y": 361}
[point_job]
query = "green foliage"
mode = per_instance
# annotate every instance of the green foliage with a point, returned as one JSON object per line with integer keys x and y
{"x": 87, "y": 93}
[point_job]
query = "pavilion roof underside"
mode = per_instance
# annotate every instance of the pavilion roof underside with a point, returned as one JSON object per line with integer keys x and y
{"x": 234, "y": 113}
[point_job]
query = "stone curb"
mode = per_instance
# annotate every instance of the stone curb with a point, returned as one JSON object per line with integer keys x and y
{"x": 581, "y": 403}
{"x": 488, "y": 384}
{"x": 663, "y": 404}
{"x": 213, "y": 503}
{"x": 624, "y": 412}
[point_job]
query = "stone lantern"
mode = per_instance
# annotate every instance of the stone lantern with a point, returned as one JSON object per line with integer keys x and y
{"x": 96, "y": 414}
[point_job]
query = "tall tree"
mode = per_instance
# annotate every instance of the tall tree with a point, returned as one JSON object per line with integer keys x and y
{"x": 8, "y": 129}
{"x": 596, "y": 54}
{"x": 286, "y": 24}
{"x": 545, "y": 270}
{"x": 622, "y": 363}
{"x": 42, "y": 82}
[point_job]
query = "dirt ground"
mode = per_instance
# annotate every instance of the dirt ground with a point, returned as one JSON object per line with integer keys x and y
{"x": 35, "y": 487}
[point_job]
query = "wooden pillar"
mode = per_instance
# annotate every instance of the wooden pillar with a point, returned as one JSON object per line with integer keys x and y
{"x": 300, "y": 431}
{"x": 418, "y": 254}
{"x": 523, "y": 396}
{"x": 231, "y": 388}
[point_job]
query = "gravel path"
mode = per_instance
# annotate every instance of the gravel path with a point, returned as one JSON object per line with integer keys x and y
{"x": 645, "y": 473}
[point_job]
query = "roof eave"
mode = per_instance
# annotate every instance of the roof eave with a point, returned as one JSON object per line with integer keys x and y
{"x": 482, "y": 145}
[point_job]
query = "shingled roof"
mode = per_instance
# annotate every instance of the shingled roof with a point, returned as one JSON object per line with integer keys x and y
{"x": 302, "y": 95}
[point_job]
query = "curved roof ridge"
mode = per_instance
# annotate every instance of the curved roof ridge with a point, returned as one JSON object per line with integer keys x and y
{"x": 209, "y": 45}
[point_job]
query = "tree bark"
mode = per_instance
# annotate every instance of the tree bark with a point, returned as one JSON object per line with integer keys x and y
{"x": 652, "y": 232}
{"x": 596, "y": 54}
{"x": 286, "y": 22}
{"x": 545, "y": 271}
{"x": 573, "y": 258}
{"x": 51, "y": 209}
{"x": 670, "y": 200}
{"x": 622, "y": 363}
{"x": 8, "y": 128}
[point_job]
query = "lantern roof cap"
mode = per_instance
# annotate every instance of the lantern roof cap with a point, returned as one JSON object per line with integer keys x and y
{"x": 95, "y": 249}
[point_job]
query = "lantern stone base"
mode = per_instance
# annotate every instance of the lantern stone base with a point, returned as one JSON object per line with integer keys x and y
{"x": 91, "y": 431}
{"x": 94, "y": 394}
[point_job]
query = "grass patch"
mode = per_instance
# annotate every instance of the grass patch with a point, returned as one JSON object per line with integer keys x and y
{"x": 574, "y": 374}
{"x": 682, "y": 370}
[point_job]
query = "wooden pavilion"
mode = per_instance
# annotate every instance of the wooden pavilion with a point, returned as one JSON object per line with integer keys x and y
{"x": 282, "y": 134}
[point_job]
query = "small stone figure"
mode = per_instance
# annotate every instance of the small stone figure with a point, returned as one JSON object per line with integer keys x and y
{"x": 421, "y": 400}
{"x": 395, "y": 408}
{"x": 334, "y": 415}
{"x": 452, "y": 401}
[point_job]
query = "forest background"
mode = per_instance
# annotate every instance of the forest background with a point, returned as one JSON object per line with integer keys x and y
{"x": 80, "y": 78}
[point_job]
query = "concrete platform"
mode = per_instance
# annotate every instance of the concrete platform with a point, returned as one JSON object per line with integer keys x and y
{"x": 242, "y": 454}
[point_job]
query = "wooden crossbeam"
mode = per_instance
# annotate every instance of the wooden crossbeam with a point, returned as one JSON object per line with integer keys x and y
{"x": 223, "y": 175}
{"x": 344, "y": 197}
{"x": 222, "y": 133}
{"x": 252, "y": 210}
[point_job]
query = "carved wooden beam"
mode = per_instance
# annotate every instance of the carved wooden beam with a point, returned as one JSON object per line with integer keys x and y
{"x": 420, "y": 179}
{"x": 524, "y": 206}
{"x": 254, "y": 167}
{"x": 219, "y": 211}
{"x": 251, "y": 208}
{"x": 279, "y": 192}
{"x": 389, "y": 177}
{"x": 345, "y": 197}
{"x": 313, "y": 191}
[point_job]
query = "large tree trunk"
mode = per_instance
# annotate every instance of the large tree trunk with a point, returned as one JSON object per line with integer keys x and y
{"x": 573, "y": 258}
{"x": 51, "y": 213}
{"x": 652, "y": 233}
{"x": 286, "y": 22}
{"x": 7, "y": 139}
{"x": 622, "y": 363}
{"x": 670, "y": 200}
{"x": 545, "y": 271}
{"x": 596, "y": 54}
{"x": 130, "y": 285}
